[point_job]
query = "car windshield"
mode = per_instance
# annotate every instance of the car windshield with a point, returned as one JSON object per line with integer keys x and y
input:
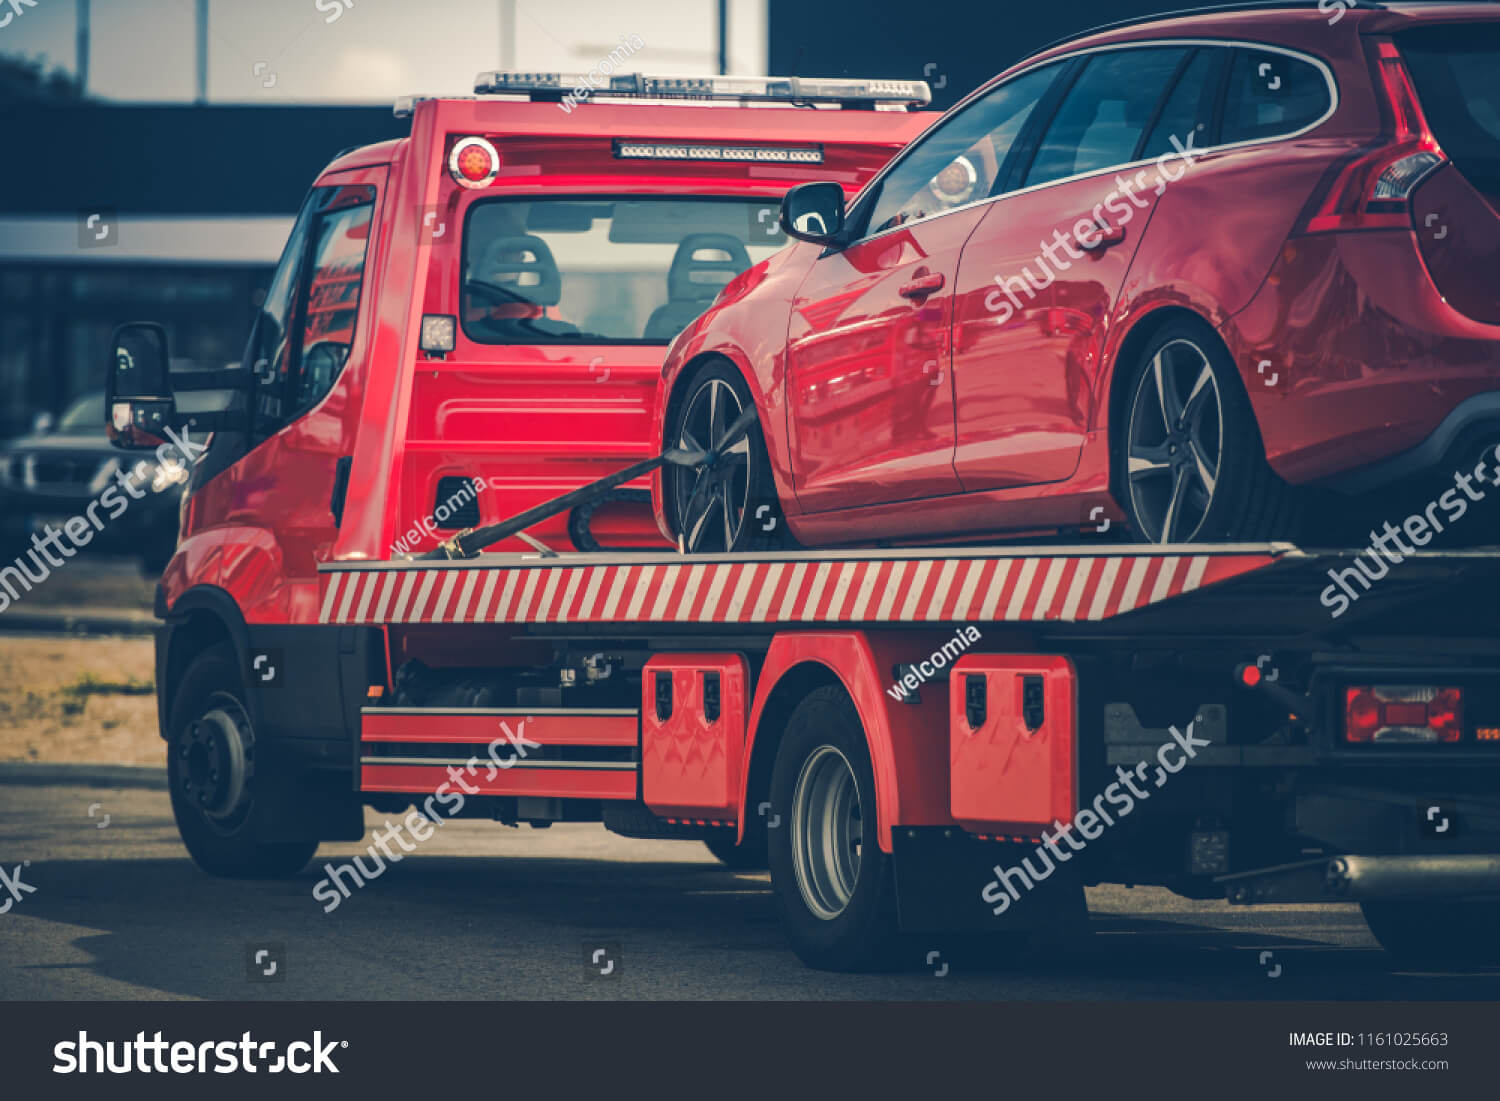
{"x": 605, "y": 271}
{"x": 84, "y": 415}
{"x": 1456, "y": 68}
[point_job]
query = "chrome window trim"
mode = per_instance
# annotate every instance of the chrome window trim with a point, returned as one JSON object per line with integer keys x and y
{"x": 1333, "y": 105}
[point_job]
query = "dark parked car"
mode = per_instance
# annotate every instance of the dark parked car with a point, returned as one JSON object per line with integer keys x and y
{"x": 54, "y": 474}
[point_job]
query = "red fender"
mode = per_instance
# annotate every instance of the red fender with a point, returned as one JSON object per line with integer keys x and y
{"x": 908, "y": 742}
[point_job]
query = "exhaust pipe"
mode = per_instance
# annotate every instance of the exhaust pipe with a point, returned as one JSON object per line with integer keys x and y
{"x": 1358, "y": 878}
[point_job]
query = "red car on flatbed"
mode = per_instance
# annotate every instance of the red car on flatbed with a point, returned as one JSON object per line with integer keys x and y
{"x": 907, "y": 737}
{"x": 1203, "y": 274}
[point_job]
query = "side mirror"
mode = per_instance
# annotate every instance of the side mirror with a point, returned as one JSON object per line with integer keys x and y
{"x": 138, "y": 401}
{"x": 814, "y": 212}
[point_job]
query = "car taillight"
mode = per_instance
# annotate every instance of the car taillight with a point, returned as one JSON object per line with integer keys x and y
{"x": 1386, "y": 714}
{"x": 473, "y": 163}
{"x": 1373, "y": 189}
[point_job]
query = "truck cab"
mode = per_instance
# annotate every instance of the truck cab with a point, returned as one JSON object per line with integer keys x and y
{"x": 464, "y": 322}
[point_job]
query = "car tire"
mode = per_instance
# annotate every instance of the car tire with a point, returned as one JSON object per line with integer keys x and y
{"x": 211, "y": 773}
{"x": 739, "y": 510}
{"x": 1443, "y": 932}
{"x": 748, "y": 857}
{"x": 834, "y": 887}
{"x": 1189, "y": 463}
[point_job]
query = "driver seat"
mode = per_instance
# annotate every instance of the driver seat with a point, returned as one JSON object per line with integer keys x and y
{"x": 523, "y": 265}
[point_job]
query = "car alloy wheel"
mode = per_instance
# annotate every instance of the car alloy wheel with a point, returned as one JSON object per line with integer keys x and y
{"x": 1175, "y": 443}
{"x": 711, "y": 500}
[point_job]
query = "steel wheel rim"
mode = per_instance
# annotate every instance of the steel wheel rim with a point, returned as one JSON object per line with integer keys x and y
{"x": 827, "y": 832}
{"x": 712, "y": 499}
{"x": 1175, "y": 444}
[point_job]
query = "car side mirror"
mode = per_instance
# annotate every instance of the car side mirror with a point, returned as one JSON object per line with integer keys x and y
{"x": 138, "y": 401}
{"x": 814, "y": 212}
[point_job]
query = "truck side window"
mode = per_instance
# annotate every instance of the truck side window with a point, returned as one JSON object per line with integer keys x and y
{"x": 269, "y": 351}
{"x": 339, "y": 242}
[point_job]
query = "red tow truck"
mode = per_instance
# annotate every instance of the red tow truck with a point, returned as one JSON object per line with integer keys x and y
{"x": 914, "y": 739}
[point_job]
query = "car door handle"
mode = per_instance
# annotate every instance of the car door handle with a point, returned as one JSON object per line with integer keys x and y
{"x": 922, "y": 286}
{"x": 1107, "y": 235}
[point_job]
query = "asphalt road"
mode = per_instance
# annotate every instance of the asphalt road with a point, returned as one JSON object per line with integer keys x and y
{"x": 482, "y": 911}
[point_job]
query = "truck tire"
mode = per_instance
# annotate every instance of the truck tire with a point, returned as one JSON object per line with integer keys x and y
{"x": 749, "y": 857}
{"x": 834, "y": 887}
{"x": 1435, "y": 931}
{"x": 211, "y": 774}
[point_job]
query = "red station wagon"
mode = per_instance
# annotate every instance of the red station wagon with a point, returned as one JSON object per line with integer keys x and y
{"x": 1178, "y": 274}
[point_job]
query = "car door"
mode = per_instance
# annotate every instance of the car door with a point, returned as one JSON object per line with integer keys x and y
{"x": 869, "y": 387}
{"x": 1040, "y": 274}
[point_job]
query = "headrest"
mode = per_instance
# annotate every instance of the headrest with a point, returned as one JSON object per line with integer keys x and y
{"x": 704, "y": 263}
{"x": 522, "y": 264}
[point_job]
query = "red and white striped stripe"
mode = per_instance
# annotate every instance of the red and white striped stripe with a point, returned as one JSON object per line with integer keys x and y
{"x": 889, "y": 590}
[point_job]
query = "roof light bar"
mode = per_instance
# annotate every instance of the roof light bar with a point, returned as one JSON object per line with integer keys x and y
{"x": 769, "y": 89}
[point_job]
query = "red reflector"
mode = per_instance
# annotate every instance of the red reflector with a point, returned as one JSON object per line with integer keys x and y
{"x": 1388, "y": 714}
{"x": 1250, "y": 675}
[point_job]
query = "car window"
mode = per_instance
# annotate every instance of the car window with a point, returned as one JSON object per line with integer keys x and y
{"x": 1270, "y": 94}
{"x": 961, "y": 158}
{"x": 340, "y": 240}
{"x": 605, "y": 271}
{"x": 1189, "y": 106}
{"x": 1104, "y": 114}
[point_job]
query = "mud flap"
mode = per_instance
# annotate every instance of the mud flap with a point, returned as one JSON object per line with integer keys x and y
{"x": 295, "y": 803}
{"x": 942, "y": 873}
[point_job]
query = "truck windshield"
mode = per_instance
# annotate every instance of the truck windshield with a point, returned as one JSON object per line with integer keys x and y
{"x": 605, "y": 271}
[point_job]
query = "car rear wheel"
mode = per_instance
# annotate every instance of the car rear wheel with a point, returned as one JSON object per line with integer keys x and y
{"x": 1435, "y": 931}
{"x": 728, "y": 503}
{"x": 1189, "y": 463}
{"x": 834, "y": 886}
{"x": 212, "y": 773}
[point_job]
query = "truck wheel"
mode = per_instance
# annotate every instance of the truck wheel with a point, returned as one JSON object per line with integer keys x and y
{"x": 730, "y": 505}
{"x": 1189, "y": 463}
{"x": 1432, "y": 931}
{"x": 211, "y": 764}
{"x": 749, "y": 857}
{"x": 834, "y": 887}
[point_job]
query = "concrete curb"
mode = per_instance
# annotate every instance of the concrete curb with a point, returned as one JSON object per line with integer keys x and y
{"x": 84, "y": 774}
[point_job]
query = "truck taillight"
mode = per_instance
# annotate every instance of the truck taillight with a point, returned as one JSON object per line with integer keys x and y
{"x": 1372, "y": 190}
{"x": 1387, "y": 714}
{"x": 473, "y": 163}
